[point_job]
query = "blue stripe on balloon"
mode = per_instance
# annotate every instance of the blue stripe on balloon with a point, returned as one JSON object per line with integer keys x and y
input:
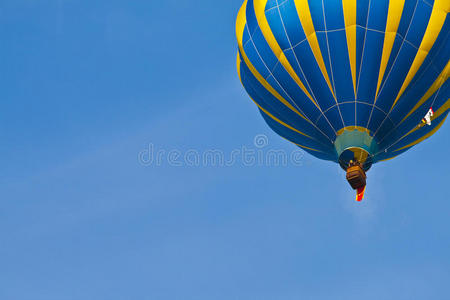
{"x": 323, "y": 124}
{"x": 362, "y": 9}
{"x": 360, "y": 36}
{"x": 275, "y": 84}
{"x": 294, "y": 29}
{"x": 271, "y": 4}
{"x": 277, "y": 27}
{"x": 252, "y": 22}
{"x": 377, "y": 117}
{"x": 442, "y": 96}
{"x": 428, "y": 2}
{"x": 378, "y": 15}
{"x": 245, "y": 37}
{"x": 334, "y": 116}
{"x": 362, "y": 113}
{"x": 419, "y": 24}
{"x": 292, "y": 58}
{"x": 264, "y": 49}
{"x": 315, "y": 78}
{"x": 396, "y": 77}
{"x": 322, "y": 40}
{"x": 334, "y": 14}
{"x": 368, "y": 77}
{"x": 394, "y": 52}
{"x": 348, "y": 113}
{"x": 255, "y": 59}
{"x": 386, "y": 126}
{"x": 409, "y": 9}
{"x": 296, "y": 94}
{"x": 315, "y": 7}
{"x": 341, "y": 66}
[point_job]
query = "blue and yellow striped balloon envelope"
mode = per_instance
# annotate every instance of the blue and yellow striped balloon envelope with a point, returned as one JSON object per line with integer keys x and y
{"x": 347, "y": 80}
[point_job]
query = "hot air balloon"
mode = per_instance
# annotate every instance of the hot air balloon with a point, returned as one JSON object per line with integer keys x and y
{"x": 355, "y": 82}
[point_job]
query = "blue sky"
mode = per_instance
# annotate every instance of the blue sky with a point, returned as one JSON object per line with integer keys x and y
{"x": 87, "y": 85}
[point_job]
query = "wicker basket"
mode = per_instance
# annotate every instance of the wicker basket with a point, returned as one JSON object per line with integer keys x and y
{"x": 356, "y": 177}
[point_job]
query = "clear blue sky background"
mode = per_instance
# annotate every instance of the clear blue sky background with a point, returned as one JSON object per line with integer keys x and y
{"x": 86, "y": 85}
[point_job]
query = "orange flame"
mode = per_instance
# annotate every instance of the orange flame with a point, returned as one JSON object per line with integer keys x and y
{"x": 360, "y": 194}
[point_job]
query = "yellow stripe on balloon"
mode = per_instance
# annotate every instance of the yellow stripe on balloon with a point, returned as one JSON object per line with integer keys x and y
{"x": 312, "y": 149}
{"x": 435, "y": 24}
{"x": 349, "y": 7}
{"x": 238, "y": 67}
{"x": 387, "y": 159}
{"x": 240, "y": 27}
{"x": 304, "y": 14}
{"x": 259, "y": 6}
{"x": 442, "y": 78}
{"x": 307, "y": 147}
{"x": 393, "y": 20}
